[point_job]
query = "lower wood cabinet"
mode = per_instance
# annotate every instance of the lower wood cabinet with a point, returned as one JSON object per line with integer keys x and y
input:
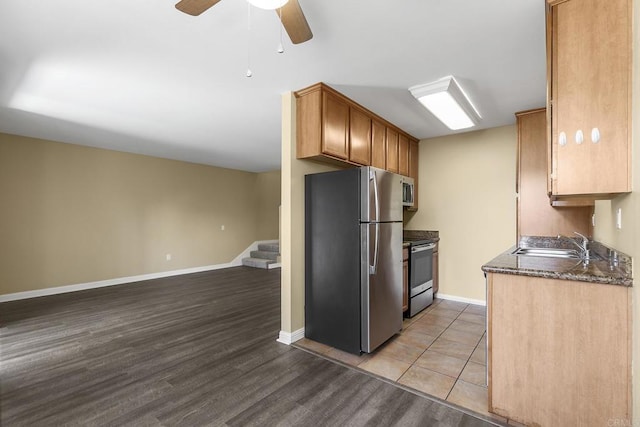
{"x": 405, "y": 279}
{"x": 559, "y": 351}
{"x": 435, "y": 270}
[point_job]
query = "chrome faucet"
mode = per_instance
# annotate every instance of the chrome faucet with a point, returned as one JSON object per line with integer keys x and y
{"x": 584, "y": 246}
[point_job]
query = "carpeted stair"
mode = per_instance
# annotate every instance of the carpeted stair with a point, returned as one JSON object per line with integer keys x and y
{"x": 265, "y": 257}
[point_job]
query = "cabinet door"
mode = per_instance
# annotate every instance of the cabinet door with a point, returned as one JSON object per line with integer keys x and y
{"x": 405, "y": 285}
{"x": 335, "y": 126}
{"x": 359, "y": 137}
{"x": 378, "y": 145}
{"x": 436, "y": 281}
{"x": 413, "y": 170}
{"x": 392, "y": 150}
{"x": 590, "y": 89}
{"x": 403, "y": 155}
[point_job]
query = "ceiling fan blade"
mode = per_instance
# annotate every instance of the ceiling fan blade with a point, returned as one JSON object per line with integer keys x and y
{"x": 195, "y": 7}
{"x": 294, "y": 22}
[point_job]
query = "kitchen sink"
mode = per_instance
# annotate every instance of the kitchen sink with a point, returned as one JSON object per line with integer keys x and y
{"x": 548, "y": 252}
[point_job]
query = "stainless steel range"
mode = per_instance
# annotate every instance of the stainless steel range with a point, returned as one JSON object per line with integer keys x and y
{"x": 420, "y": 276}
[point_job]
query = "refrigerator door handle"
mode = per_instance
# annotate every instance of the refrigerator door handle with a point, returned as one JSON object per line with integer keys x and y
{"x": 372, "y": 177}
{"x": 376, "y": 249}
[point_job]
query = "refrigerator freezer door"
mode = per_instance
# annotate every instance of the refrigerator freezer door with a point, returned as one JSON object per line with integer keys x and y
{"x": 381, "y": 292}
{"x": 332, "y": 259}
{"x": 381, "y": 195}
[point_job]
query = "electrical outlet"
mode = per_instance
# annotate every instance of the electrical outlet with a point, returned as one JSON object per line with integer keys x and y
{"x": 168, "y": 257}
{"x": 619, "y": 219}
{"x": 222, "y": 227}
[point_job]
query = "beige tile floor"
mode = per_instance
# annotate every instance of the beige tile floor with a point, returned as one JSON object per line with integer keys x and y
{"x": 440, "y": 352}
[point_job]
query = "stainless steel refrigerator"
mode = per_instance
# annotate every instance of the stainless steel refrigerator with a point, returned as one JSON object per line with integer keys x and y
{"x": 353, "y": 258}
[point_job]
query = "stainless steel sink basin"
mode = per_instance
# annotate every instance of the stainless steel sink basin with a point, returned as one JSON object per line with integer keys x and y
{"x": 548, "y": 252}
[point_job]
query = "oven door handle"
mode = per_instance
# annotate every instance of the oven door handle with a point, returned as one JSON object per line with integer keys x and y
{"x": 422, "y": 248}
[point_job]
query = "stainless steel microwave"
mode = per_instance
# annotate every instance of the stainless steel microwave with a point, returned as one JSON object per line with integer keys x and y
{"x": 408, "y": 191}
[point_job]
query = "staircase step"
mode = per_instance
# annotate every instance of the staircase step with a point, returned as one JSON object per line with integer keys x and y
{"x": 273, "y": 256}
{"x": 269, "y": 247}
{"x": 257, "y": 262}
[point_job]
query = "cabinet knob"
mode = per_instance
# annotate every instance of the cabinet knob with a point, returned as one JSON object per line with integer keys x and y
{"x": 595, "y": 135}
{"x": 562, "y": 139}
{"x": 579, "y": 137}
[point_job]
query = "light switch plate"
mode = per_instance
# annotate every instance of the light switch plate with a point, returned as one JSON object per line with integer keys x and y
{"x": 619, "y": 219}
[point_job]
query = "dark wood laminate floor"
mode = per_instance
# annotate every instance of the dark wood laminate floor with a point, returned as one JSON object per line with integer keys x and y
{"x": 191, "y": 350}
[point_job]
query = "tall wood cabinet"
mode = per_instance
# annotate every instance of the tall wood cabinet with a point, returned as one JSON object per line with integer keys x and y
{"x": 535, "y": 215}
{"x": 589, "y": 97}
{"x": 334, "y": 129}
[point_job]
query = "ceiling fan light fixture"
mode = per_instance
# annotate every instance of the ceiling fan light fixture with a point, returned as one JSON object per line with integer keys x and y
{"x": 446, "y": 100}
{"x": 268, "y": 4}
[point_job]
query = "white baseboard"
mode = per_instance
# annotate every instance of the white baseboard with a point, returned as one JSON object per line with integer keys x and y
{"x": 237, "y": 261}
{"x": 247, "y": 252}
{"x": 461, "y": 299}
{"x": 109, "y": 282}
{"x": 290, "y": 337}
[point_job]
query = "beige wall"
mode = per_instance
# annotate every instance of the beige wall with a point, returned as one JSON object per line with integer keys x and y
{"x": 467, "y": 193}
{"x": 268, "y": 199}
{"x": 292, "y": 229}
{"x": 73, "y": 214}
{"x": 627, "y": 239}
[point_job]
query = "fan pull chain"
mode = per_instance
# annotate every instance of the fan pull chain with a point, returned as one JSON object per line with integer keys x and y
{"x": 249, "y": 73}
{"x": 280, "y": 46}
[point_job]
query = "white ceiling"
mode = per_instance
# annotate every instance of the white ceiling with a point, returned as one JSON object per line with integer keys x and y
{"x": 142, "y": 77}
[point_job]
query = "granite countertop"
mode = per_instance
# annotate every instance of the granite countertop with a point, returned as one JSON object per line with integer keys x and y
{"x": 611, "y": 267}
{"x": 427, "y": 235}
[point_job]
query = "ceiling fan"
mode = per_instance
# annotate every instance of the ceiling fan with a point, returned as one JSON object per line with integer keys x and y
{"x": 290, "y": 14}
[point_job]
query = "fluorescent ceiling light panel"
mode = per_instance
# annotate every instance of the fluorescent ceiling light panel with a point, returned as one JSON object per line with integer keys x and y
{"x": 268, "y": 4}
{"x": 446, "y": 100}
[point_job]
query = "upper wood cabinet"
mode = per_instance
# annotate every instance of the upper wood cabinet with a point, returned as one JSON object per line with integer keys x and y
{"x": 335, "y": 126}
{"x": 359, "y": 137}
{"x": 392, "y": 150}
{"x": 589, "y": 97}
{"x": 378, "y": 145}
{"x": 535, "y": 215}
{"x": 332, "y": 128}
{"x": 403, "y": 155}
{"x": 413, "y": 170}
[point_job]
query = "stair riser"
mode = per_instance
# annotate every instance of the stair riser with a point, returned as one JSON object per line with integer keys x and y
{"x": 269, "y": 247}
{"x": 257, "y": 263}
{"x": 264, "y": 255}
